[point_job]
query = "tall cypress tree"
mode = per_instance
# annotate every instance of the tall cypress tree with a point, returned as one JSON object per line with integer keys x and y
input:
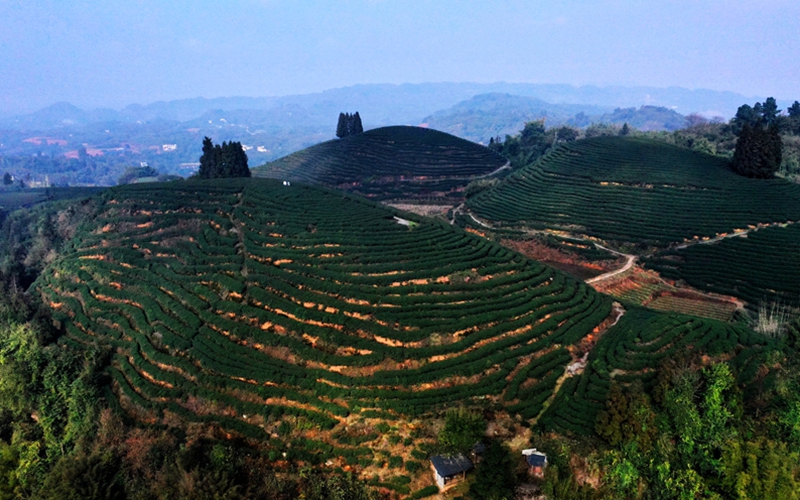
{"x": 226, "y": 160}
{"x": 758, "y": 151}
{"x": 794, "y": 110}
{"x": 769, "y": 111}
{"x": 357, "y": 127}
{"x": 341, "y": 128}
{"x": 207, "y": 160}
{"x": 240, "y": 168}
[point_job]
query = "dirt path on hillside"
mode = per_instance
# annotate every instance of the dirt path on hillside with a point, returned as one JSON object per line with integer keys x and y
{"x": 504, "y": 167}
{"x": 460, "y": 210}
{"x": 576, "y": 367}
{"x": 735, "y": 234}
{"x": 630, "y": 261}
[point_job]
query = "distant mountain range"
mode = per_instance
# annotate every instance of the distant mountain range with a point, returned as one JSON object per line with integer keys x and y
{"x": 497, "y": 115}
{"x": 381, "y": 104}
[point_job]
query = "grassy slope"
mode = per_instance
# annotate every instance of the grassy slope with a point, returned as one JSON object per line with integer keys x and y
{"x": 373, "y": 163}
{"x": 247, "y": 302}
{"x": 636, "y": 191}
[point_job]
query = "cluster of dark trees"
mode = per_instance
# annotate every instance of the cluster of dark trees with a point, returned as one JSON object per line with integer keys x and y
{"x": 532, "y": 142}
{"x": 348, "y": 125}
{"x": 226, "y": 160}
{"x": 758, "y": 151}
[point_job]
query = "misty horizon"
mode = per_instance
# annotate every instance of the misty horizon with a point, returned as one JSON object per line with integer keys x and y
{"x": 94, "y": 55}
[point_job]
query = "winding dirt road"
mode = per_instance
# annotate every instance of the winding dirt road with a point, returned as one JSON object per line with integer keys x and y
{"x": 631, "y": 260}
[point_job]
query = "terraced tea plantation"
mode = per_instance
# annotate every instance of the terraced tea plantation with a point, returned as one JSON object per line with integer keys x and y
{"x": 635, "y": 192}
{"x": 390, "y": 163}
{"x": 247, "y": 303}
{"x": 763, "y": 266}
{"x": 632, "y": 350}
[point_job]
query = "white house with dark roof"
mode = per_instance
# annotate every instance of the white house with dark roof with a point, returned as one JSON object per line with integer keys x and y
{"x": 449, "y": 469}
{"x": 536, "y": 461}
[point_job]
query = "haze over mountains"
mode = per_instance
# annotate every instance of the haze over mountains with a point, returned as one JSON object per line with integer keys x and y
{"x": 383, "y": 104}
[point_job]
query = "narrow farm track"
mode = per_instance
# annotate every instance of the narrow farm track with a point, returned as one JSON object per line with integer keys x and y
{"x": 507, "y": 166}
{"x": 459, "y": 210}
{"x": 735, "y": 234}
{"x": 630, "y": 260}
{"x": 472, "y": 216}
{"x": 577, "y": 367}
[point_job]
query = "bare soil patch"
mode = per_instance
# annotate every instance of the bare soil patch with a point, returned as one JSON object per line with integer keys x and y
{"x": 568, "y": 262}
{"x": 424, "y": 210}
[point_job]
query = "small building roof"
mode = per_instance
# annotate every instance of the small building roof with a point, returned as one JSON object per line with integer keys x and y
{"x": 536, "y": 460}
{"x": 479, "y": 448}
{"x": 451, "y": 465}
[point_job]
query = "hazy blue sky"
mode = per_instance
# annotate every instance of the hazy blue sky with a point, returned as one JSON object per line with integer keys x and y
{"x": 113, "y": 53}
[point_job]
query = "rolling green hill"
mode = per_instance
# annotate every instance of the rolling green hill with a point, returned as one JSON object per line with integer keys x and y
{"x": 762, "y": 267}
{"x": 13, "y": 199}
{"x": 247, "y": 302}
{"x": 636, "y": 191}
{"x": 389, "y": 163}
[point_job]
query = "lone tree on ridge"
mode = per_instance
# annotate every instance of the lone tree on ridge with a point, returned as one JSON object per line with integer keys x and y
{"x": 226, "y": 160}
{"x": 758, "y": 149}
{"x": 348, "y": 125}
